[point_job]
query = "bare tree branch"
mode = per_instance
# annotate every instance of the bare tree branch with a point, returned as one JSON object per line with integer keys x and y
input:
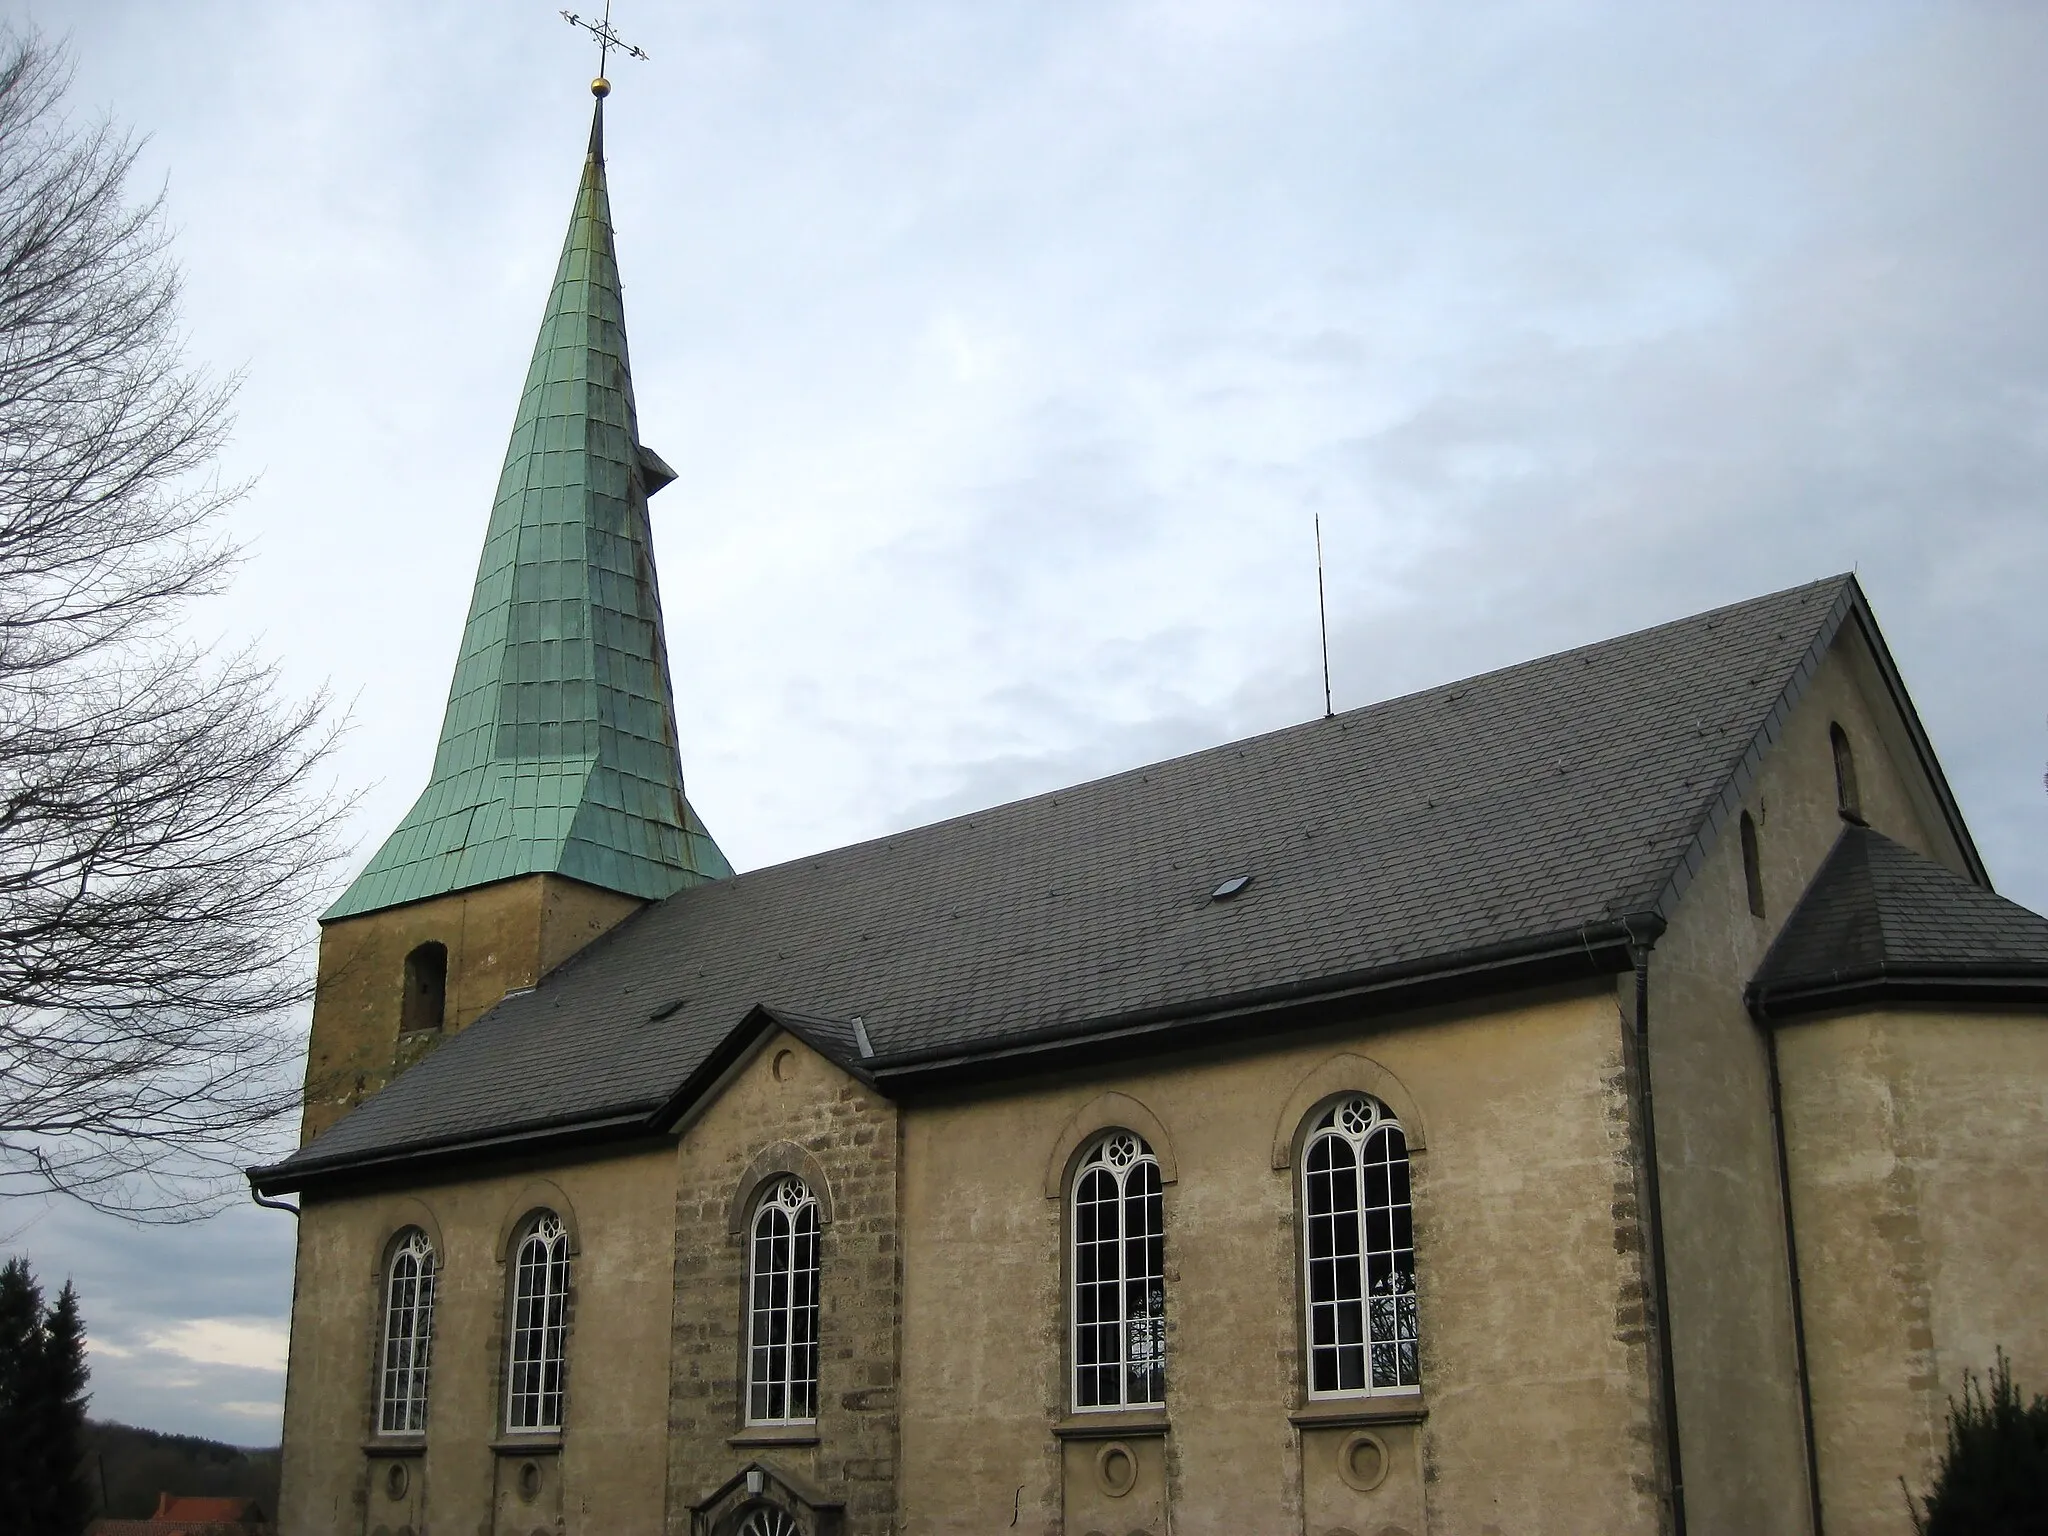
{"x": 162, "y": 836}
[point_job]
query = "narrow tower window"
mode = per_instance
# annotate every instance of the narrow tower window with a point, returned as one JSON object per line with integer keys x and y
{"x": 540, "y": 1325}
{"x": 1847, "y": 800}
{"x": 782, "y": 1336}
{"x": 426, "y": 987}
{"x": 1359, "y": 1246}
{"x": 1119, "y": 1277}
{"x": 408, "y": 1337}
{"x": 1752, "y": 868}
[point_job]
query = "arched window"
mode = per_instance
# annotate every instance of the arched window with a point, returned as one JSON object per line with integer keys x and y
{"x": 1359, "y": 1249}
{"x": 408, "y": 1336}
{"x": 1847, "y": 799}
{"x": 768, "y": 1521}
{"x": 426, "y": 988}
{"x": 540, "y": 1319}
{"x": 1752, "y": 867}
{"x": 782, "y": 1305}
{"x": 1119, "y": 1276}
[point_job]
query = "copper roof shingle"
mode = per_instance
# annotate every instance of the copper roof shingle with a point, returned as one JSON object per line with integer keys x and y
{"x": 558, "y": 753}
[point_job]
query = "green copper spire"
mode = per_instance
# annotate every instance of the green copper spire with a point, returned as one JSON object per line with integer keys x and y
{"x": 558, "y": 751}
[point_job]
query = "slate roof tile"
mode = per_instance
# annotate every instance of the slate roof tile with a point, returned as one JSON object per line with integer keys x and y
{"x": 1877, "y": 911}
{"x": 1531, "y": 801}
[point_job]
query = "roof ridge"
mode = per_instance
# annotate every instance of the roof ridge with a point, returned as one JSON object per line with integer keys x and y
{"x": 1300, "y": 727}
{"x": 1401, "y": 858}
{"x": 1860, "y": 838}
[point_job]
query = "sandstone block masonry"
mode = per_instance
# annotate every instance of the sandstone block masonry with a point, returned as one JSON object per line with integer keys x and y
{"x": 789, "y": 1111}
{"x": 496, "y": 939}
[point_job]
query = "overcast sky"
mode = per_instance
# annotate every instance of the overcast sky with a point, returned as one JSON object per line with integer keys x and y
{"x": 1005, "y": 351}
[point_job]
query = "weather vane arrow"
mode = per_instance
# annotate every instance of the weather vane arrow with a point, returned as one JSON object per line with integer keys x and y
{"x": 607, "y": 40}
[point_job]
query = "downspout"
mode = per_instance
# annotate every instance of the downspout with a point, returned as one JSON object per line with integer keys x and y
{"x": 269, "y": 1204}
{"x": 1792, "y": 1267}
{"x": 1667, "y": 1368}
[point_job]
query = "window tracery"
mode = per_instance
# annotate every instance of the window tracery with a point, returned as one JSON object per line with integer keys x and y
{"x": 1359, "y": 1251}
{"x": 782, "y": 1333}
{"x": 408, "y": 1337}
{"x": 540, "y": 1315}
{"x": 1119, "y": 1268}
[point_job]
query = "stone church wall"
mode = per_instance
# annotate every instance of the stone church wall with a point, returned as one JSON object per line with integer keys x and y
{"x": 1740, "y": 1420}
{"x": 787, "y": 1110}
{"x": 1918, "y": 1144}
{"x": 602, "y": 1474}
{"x": 945, "y": 1248}
{"x": 1536, "y": 1403}
{"x": 499, "y": 938}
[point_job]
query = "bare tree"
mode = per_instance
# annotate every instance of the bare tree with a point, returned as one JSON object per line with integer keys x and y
{"x": 162, "y": 836}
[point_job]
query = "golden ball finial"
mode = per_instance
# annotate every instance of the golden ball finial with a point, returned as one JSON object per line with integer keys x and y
{"x": 600, "y": 87}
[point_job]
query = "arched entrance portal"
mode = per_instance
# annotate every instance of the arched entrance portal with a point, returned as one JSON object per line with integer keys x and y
{"x": 763, "y": 1500}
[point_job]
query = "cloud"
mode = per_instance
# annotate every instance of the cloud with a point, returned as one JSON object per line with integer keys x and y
{"x": 181, "y": 1322}
{"x": 1006, "y": 351}
{"x": 253, "y": 1344}
{"x": 262, "y": 1410}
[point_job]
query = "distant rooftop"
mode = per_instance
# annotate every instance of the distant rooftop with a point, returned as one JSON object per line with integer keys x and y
{"x": 180, "y": 1514}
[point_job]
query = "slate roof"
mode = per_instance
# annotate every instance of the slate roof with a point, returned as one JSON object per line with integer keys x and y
{"x": 1538, "y": 805}
{"x": 558, "y": 750}
{"x": 1880, "y": 919}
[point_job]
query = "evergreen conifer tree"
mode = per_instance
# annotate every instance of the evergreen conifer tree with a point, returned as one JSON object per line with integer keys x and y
{"x": 59, "y": 1445}
{"x": 20, "y": 1313}
{"x": 1993, "y": 1478}
{"x": 42, "y": 1407}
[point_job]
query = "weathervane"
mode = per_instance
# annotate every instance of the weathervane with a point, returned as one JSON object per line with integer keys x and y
{"x": 607, "y": 40}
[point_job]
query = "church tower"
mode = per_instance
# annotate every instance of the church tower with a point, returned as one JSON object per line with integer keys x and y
{"x": 556, "y": 804}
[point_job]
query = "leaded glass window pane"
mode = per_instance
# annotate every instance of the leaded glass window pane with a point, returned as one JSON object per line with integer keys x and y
{"x": 1358, "y": 1248}
{"x": 782, "y": 1306}
{"x": 540, "y": 1317}
{"x": 1119, "y": 1267}
{"x": 408, "y": 1337}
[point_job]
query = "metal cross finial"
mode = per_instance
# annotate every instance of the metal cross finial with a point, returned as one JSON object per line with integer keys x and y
{"x": 607, "y": 40}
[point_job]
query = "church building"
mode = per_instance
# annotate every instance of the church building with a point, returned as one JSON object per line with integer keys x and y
{"x": 1603, "y": 1095}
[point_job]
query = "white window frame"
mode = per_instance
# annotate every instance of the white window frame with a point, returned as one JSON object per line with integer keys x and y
{"x": 402, "y": 1364}
{"x": 1098, "y": 1303}
{"x": 536, "y": 1346}
{"x": 783, "y": 1274}
{"x": 1384, "y": 1319}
